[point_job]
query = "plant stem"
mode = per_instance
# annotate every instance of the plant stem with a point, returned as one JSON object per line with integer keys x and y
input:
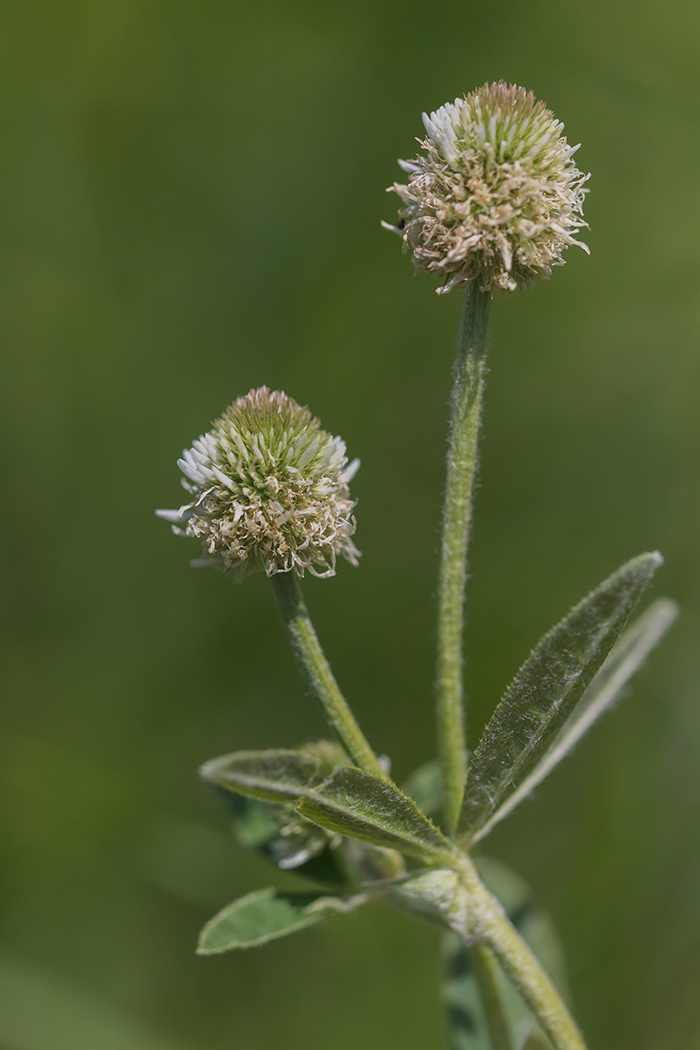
{"x": 491, "y": 927}
{"x": 486, "y": 969}
{"x": 308, "y": 649}
{"x": 462, "y": 462}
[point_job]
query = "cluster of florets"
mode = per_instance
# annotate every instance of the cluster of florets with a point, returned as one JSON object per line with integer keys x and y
{"x": 269, "y": 490}
{"x": 497, "y": 197}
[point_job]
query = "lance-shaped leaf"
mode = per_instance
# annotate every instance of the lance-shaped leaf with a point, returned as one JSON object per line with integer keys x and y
{"x": 546, "y": 689}
{"x": 626, "y": 657}
{"x": 266, "y": 915}
{"x": 352, "y": 802}
{"x": 278, "y": 775}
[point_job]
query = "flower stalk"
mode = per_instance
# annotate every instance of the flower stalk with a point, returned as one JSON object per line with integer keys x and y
{"x": 462, "y": 464}
{"x": 308, "y": 648}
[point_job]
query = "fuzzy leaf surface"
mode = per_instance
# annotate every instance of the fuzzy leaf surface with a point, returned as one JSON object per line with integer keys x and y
{"x": 352, "y": 802}
{"x": 277, "y": 775}
{"x": 624, "y": 660}
{"x": 546, "y": 689}
{"x": 266, "y": 915}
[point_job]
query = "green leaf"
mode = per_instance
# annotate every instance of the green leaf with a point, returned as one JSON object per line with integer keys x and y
{"x": 424, "y": 786}
{"x": 279, "y": 775}
{"x": 624, "y": 660}
{"x": 261, "y": 789}
{"x": 277, "y": 832}
{"x": 349, "y": 802}
{"x": 432, "y": 894}
{"x": 546, "y": 689}
{"x": 352, "y": 802}
{"x": 264, "y": 916}
{"x": 264, "y": 788}
{"x": 465, "y": 1018}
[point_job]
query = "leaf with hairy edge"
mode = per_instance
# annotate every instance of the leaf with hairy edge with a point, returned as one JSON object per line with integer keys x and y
{"x": 279, "y": 775}
{"x": 546, "y": 689}
{"x": 266, "y": 915}
{"x": 263, "y": 789}
{"x": 465, "y": 1019}
{"x": 624, "y": 660}
{"x": 352, "y": 802}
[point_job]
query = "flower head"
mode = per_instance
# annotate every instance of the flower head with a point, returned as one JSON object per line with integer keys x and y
{"x": 269, "y": 490}
{"x": 496, "y": 197}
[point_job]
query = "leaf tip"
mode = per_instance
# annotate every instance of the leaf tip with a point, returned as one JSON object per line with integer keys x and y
{"x": 643, "y": 566}
{"x": 670, "y": 608}
{"x": 203, "y": 945}
{"x": 206, "y": 770}
{"x": 648, "y": 562}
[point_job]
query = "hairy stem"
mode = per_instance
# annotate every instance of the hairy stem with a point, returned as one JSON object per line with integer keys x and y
{"x": 462, "y": 462}
{"x": 492, "y": 928}
{"x": 308, "y": 649}
{"x": 486, "y": 969}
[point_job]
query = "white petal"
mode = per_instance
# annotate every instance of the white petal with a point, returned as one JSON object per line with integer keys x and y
{"x": 392, "y": 229}
{"x": 223, "y": 479}
{"x": 192, "y": 473}
{"x": 350, "y": 471}
{"x": 169, "y": 515}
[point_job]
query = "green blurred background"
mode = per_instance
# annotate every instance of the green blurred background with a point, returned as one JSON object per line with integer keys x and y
{"x": 190, "y": 205}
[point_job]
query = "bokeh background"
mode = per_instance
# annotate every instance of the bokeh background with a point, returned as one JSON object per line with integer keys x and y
{"x": 190, "y": 198}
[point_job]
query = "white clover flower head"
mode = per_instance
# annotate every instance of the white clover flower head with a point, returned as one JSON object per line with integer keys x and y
{"x": 269, "y": 491}
{"x": 496, "y": 197}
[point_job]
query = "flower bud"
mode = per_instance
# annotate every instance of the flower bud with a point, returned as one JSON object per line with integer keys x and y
{"x": 269, "y": 490}
{"x": 496, "y": 197}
